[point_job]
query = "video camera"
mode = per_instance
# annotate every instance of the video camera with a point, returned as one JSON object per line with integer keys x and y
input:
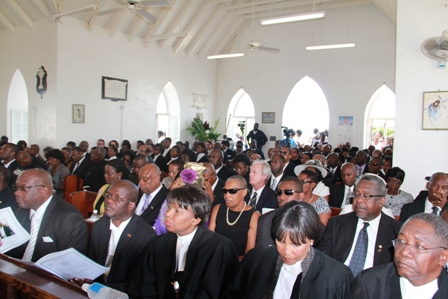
{"x": 287, "y": 132}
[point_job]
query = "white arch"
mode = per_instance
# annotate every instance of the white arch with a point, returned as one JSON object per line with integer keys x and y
{"x": 17, "y": 108}
{"x": 306, "y": 108}
{"x": 241, "y": 108}
{"x": 168, "y": 112}
{"x": 380, "y": 112}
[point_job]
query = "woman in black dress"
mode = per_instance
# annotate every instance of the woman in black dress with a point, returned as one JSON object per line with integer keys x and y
{"x": 236, "y": 219}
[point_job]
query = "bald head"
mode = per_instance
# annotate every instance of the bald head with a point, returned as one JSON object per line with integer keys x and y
{"x": 23, "y": 159}
{"x": 149, "y": 178}
{"x": 129, "y": 188}
{"x": 34, "y": 187}
{"x": 348, "y": 174}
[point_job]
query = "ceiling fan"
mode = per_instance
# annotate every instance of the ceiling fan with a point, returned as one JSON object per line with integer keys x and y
{"x": 252, "y": 45}
{"x": 137, "y": 7}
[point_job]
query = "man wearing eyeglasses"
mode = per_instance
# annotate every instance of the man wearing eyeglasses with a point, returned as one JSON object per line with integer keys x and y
{"x": 53, "y": 224}
{"x": 421, "y": 253}
{"x": 363, "y": 238}
{"x": 120, "y": 237}
{"x": 289, "y": 189}
{"x": 375, "y": 165}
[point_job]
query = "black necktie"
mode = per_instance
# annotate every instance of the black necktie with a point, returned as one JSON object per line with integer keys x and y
{"x": 359, "y": 254}
{"x": 435, "y": 210}
{"x": 253, "y": 200}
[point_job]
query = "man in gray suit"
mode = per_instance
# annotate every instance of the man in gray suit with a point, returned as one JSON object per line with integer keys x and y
{"x": 289, "y": 189}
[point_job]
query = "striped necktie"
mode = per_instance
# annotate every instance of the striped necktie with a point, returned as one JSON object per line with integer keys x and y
{"x": 253, "y": 200}
{"x": 146, "y": 204}
{"x": 435, "y": 210}
{"x": 27, "y": 256}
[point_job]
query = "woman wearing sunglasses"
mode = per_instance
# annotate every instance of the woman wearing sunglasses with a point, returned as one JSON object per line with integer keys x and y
{"x": 292, "y": 268}
{"x": 309, "y": 181}
{"x": 236, "y": 219}
{"x": 189, "y": 261}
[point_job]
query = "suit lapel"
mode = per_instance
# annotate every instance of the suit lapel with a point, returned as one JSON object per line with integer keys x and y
{"x": 47, "y": 220}
{"x": 125, "y": 238}
{"x": 156, "y": 201}
{"x": 263, "y": 198}
{"x": 348, "y": 235}
{"x": 103, "y": 241}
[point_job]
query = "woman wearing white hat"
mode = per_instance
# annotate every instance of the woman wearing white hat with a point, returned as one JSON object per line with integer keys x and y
{"x": 316, "y": 166}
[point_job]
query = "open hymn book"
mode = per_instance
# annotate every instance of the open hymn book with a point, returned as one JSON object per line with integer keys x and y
{"x": 65, "y": 264}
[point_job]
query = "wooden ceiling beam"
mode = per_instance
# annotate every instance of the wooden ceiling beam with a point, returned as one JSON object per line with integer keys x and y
{"x": 21, "y": 13}
{"x": 4, "y": 20}
{"x": 224, "y": 40}
{"x": 43, "y": 9}
{"x": 92, "y": 22}
{"x": 176, "y": 22}
{"x": 117, "y": 18}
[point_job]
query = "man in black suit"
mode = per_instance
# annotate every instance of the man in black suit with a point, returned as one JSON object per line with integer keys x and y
{"x": 54, "y": 224}
{"x": 8, "y": 155}
{"x": 414, "y": 265}
{"x": 34, "y": 151}
{"x": 361, "y": 163}
{"x": 216, "y": 158}
{"x": 159, "y": 160}
{"x": 95, "y": 177}
{"x": 81, "y": 165}
{"x": 84, "y": 146}
{"x": 437, "y": 197}
{"x": 334, "y": 170}
{"x": 375, "y": 165}
{"x": 7, "y": 197}
{"x": 257, "y": 135}
{"x": 153, "y": 193}
{"x": 277, "y": 164}
{"x": 227, "y": 151}
{"x": 26, "y": 161}
{"x": 260, "y": 195}
{"x": 120, "y": 237}
{"x": 342, "y": 194}
{"x": 213, "y": 185}
{"x": 288, "y": 169}
{"x": 288, "y": 189}
{"x": 367, "y": 221}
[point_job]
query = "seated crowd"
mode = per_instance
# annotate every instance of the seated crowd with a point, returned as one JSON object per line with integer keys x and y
{"x": 215, "y": 220}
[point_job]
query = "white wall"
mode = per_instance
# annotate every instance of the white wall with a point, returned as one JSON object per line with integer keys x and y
{"x": 348, "y": 77}
{"x": 75, "y": 60}
{"x": 420, "y": 153}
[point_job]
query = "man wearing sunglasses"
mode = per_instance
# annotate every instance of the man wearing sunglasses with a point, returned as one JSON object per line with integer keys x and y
{"x": 289, "y": 189}
{"x": 120, "y": 237}
{"x": 375, "y": 165}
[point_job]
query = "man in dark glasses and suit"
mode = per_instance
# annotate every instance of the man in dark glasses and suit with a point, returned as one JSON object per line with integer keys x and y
{"x": 288, "y": 189}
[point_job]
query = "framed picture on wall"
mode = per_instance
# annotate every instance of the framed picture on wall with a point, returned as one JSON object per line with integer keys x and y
{"x": 268, "y": 117}
{"x": 199, "y": 116}
{"x": 78, "y": 114}
{"x": 435, "y": 110}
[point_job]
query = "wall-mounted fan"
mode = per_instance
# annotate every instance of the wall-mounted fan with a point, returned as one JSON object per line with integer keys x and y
{"x": 136, "y": 6}
{"x": 436, "y": 47}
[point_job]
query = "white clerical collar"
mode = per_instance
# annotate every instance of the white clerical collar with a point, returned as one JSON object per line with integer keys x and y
{"x": 426, "y": 291}
{"x": 9, "y": 163}
{"x": 182, "y": 245}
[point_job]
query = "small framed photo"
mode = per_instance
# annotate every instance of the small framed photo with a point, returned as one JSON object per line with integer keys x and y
{"x": 79, "y": 114}
{"x": 200, "y": 116}
{"x": 435, "y": 110}
{"x": 268, "y": 117}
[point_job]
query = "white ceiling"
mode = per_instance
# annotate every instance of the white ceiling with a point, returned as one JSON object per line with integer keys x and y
{"x": 211, "y": 26}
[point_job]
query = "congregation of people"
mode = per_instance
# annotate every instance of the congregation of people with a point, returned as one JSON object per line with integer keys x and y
{"x": 219, "y": 219}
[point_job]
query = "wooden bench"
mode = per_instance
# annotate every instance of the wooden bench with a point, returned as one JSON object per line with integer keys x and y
{"x": 83, "y": 201}
{"x": 335, "y": 211}
{"x": 70, "y": 185}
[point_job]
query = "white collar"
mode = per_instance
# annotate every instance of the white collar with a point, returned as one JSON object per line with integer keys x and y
{"x": 426, "y": 291}
{"x": 41, "y": 210}
{"x": 9, "y": 163}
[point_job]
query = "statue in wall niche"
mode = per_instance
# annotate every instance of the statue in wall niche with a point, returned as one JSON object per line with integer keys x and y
{"x": 41, "y": 84}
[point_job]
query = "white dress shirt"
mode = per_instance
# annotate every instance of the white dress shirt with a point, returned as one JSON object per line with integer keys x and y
{"x": 182, "y": 245}
{"x": 428, "y": 207}
{"x": 141, "y": 203}
{"x": 372, "y": 231}
{"x": 258, "y": 193}
{"x": 115, "y": 234}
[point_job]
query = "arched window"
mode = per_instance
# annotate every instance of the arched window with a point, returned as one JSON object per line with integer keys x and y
{"x": 17, "y": 109}
{"x": 380, "y": 116}
{"x": 306, "y": 108}
{"x": 168, "y": 113}
{"x": 241, "y": 108}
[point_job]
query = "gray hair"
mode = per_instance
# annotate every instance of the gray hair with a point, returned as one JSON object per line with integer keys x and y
{"x": 439, "y": 225}
{"x": 379, "y": 182}
{"x": 265, "y": 168}
{"x": 241, "y": 181}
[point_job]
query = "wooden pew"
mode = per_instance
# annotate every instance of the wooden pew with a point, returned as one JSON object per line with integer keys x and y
{"x": 335, "y": 211}
{"x": 83, "y": 201}
{"x": 18, "y": 280}
{"x": 71, "y": 185}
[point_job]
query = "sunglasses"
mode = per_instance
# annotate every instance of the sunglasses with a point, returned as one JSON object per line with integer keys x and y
{"x": 231, "y": 191}
{"x": 288, "y": 192}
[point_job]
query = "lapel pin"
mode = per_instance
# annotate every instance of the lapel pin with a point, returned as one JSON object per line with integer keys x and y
{"x": 380, "y": 248}
{"x": 129, "y": 235}
{"x": 152, "y": 208}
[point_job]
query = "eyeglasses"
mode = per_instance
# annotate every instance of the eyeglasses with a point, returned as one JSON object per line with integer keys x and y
{"x": 365, "y": 196}
{"x": 231, "y": 191}
{"x": 24, "y": 188}
{"x": 288, "y": 192}
{"x": 214, "y": 157}
{"x": 306, "y": 182}
{"x": 400, "y": 244}
{"x": 374, "y": 164}
{"x": 115, "y": 198}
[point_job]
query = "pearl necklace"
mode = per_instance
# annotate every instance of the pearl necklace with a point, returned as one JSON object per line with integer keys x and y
{"x": 312, "y": 197}
{"x": 237, "y": 218}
